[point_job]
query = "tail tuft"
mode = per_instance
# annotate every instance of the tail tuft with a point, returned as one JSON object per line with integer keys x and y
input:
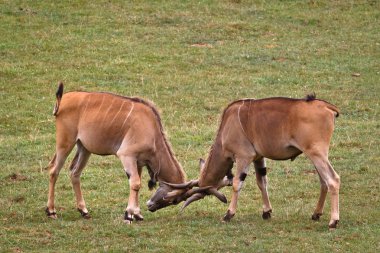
{"x": 59, "y": 92}
{"x": 58, "y": 95}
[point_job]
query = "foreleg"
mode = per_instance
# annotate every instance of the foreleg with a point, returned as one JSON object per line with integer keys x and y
{"x": 134, "y": 175}
{"x": 242, "y": 165}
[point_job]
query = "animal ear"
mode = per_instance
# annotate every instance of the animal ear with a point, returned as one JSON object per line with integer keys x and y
{"x": 151, "y": 184}
{"x": 201, "y": 163}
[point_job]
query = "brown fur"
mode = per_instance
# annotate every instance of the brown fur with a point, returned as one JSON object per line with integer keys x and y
{"x": 109, "y": 124}
{"x": 275, "y": 128}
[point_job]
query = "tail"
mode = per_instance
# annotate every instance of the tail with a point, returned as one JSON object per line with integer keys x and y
{"x": 313, "y": 96}
{"x": 58, "y": 95}
{"x": 334, "y": 109}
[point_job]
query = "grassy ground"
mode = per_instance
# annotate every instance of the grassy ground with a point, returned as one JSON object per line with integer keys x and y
{"x": 191, "y": 58}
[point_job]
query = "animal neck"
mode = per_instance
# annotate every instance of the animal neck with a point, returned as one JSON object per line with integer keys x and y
{"x": 165, "y": 165}
{"x": 216, "y": 167}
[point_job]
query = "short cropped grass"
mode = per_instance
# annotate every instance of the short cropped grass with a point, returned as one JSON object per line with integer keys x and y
{"x": 191, "y": 58}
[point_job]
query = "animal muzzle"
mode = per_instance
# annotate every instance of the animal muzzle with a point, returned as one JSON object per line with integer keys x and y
{"x": 154, "y": 206}
{"x": 151, "y": 206}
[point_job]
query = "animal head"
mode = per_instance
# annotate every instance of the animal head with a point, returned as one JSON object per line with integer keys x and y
{"x": 172, "y": 194}
{"x": 166, "y": 195}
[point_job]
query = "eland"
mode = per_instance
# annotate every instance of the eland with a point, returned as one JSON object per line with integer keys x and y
{"x": 275, "y": 128}
{"x": 108, "y": 124}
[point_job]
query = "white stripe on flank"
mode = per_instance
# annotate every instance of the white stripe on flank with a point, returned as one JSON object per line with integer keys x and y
{"x": 133, "y": 105}
{"x": 108, "y": 110}
{"x": 85, "y": 109}
{"x": 117, "y": 113}
{"x": 100, "y": 106}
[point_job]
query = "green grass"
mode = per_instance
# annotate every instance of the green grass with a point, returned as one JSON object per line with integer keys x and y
{"x": 191, "y": 58}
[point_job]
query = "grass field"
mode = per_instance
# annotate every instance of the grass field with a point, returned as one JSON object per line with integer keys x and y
{"x": 191, "y": 58}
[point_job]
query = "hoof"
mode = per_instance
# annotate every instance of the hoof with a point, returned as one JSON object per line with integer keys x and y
{"x": 51, "y": 215}
{"x": 138, "y": 217}
{"x": 267, "y": 215}
{"x": 316, "y": 216}
{"x": 333, "y": 225}
{"x": 128, "y": 218}
{"x": 84, "y": 214}
{"x": 128, "y": 222}
{"x": 228, "y": 216}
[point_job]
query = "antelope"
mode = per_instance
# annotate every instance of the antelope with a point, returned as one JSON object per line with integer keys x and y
{"x": 274, "y": 128}
{"x": 108, "y": 124}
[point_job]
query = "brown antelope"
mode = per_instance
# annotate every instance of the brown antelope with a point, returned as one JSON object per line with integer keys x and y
{"x": 275, "y": 128}
{"x": 108, "y": 124}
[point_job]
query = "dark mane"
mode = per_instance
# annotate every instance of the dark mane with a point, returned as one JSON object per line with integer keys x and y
{"x": 310, "y": 97}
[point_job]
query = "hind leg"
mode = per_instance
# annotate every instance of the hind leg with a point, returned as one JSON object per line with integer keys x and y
{"x": 262, "y": 183}
{"x": 330, "y": 180}
{"x": 321, "y": 201}
{"x": 55, "y": 165}
{"x": 76, "y": 168}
